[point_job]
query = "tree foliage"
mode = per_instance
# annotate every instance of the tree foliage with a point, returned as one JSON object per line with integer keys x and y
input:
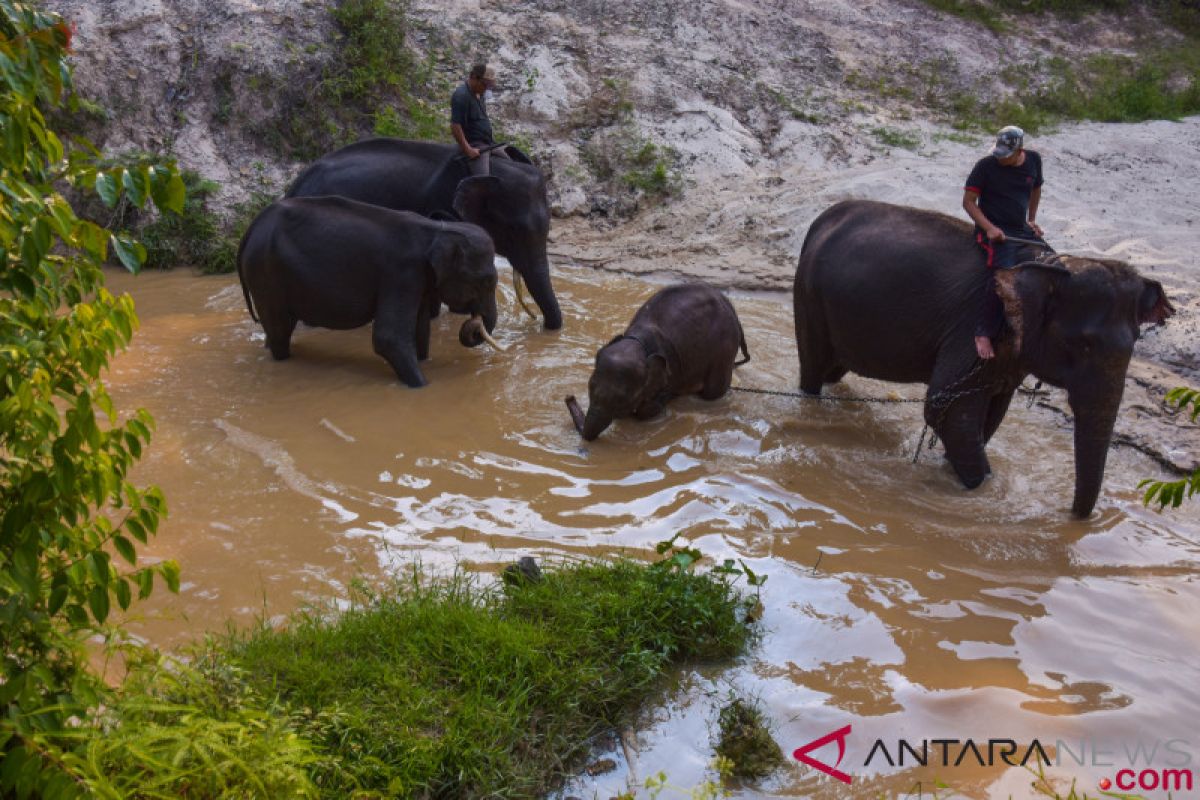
{"x": 1172, "y": 493}
{"x": 70, "y": 520}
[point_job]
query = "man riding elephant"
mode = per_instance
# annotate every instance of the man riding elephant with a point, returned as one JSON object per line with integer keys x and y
{"x": 1002, "y": 196}
{"x": 469, "y": 122}
{"x": 433, "y": 180}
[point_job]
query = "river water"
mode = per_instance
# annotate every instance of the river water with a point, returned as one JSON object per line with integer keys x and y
{"x": 896, "y": 603}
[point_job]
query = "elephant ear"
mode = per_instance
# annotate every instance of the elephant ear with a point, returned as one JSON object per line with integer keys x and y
{"x": 471, "y": 198}
{"x": 1153, "y": 305}
{"x": 1026, "y": 291}
{"x": 447, "y": 256}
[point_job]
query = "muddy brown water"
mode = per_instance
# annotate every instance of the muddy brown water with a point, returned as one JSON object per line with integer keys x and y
{"x": 933, "y": 613}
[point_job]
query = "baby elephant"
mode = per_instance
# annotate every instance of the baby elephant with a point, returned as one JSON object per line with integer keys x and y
{"x": 336, "y": 263}
{"x": 682, "y": 341}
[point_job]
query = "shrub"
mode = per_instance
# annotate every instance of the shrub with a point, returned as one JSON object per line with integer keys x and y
{"x": 66, "y": 505}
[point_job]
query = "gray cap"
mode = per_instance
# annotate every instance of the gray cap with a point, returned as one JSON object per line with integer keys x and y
{"x": 1008, "y": 141}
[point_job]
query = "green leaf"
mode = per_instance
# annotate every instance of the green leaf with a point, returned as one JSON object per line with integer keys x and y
{"x": 170, "y": 572}
{"x": 57, "y": 597}
{"x": 124, "y": 596}
{"x": 131, "y": 253}
{"x": 125, "y": 548}
{"x": 99, "y": 567}
{"x": 145, "y": 580}
{"x": 176, "y": 193}
{"x": 134, "y": 182}
{"x": 98, "y": 602}
{"x": 106, "y": 187}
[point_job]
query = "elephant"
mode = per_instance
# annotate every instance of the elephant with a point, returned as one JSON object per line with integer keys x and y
{"x": 683, "y": 340}
{"x": 336, "y": 263}
{"x": 894, "y": 293}
{"x": 430, "y": 179}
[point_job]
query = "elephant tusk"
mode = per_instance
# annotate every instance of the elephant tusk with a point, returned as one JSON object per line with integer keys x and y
{"x": 487, "y": 337}
{"x": 517, "y": 284}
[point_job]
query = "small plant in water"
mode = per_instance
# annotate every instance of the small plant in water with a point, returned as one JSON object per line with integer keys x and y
{"x": 745, "y": 741}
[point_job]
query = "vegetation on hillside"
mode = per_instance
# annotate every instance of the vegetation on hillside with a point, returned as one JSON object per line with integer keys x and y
{"x": 372, "y": 82}
{"x": 1161, "y": 80}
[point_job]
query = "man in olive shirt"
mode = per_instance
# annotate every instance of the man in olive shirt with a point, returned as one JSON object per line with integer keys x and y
{"x": 469, "y": 123}
{"x": 1002, "y": 196}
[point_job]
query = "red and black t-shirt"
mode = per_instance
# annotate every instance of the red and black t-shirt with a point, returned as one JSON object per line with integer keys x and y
{"x": 1004, "y": 191}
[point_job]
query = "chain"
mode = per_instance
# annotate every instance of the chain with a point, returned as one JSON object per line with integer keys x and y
{"x": 821, "y": 398}
{"x": 940, "y": 402}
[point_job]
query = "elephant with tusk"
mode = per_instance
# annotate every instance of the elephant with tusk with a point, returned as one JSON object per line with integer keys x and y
{"x": 336, "y": 263}
{"x": 683, "y": 340}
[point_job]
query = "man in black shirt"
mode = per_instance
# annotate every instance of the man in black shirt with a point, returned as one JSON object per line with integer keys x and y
{"x": 469, "y": 123}
{"x": 1002, "y": 196}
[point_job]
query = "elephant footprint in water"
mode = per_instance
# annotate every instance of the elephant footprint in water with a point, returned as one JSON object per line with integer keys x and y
{"x": 336, "y": 263}
{"x": 682, "y": 341}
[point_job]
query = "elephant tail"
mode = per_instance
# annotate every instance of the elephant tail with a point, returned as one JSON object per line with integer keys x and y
{"x": 742, "y": 344}
{"x": 242, "y": 279}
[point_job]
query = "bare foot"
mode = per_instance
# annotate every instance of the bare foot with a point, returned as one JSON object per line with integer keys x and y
{"x": 983, "y": 346}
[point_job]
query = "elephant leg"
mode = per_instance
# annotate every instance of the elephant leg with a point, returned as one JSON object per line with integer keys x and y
{"x": 395, "y": 338}
{"x": 717, "y": 383}
{"x": 433, "y": 305}
{"x": 817, "y": 365}
{"x": 278, "y": 324}
{"x": 651, "y": 408}
{"x": 961, "y": 430}
{"x": 538, "y": 282}
{"x": 995, "y": 414}
{"x": 422, "y": 331}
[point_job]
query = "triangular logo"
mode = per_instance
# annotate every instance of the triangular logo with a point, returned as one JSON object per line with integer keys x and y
{"x": 801, "y": 754}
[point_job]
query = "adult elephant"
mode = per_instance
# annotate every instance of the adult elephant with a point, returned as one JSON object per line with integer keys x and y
{"x": 894, "y": 293}
{"x": 430, "y": 179}
{"x": 336, "y": 263}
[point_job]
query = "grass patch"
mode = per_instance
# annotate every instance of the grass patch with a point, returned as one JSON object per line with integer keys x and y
{"x": 893, "y": 137}
{"x": 445, "y": 688}
{"x": 177, "y": 731}
{"x": 745, "y": 742}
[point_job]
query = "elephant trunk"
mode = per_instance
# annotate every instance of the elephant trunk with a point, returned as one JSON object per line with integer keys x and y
{"x": 1093, "y": 431}
{"x": 595, "y": 423}
{"x": 576, "y": 413}
{"x": 489, "y": 312}
{"x": 535, "y": 270}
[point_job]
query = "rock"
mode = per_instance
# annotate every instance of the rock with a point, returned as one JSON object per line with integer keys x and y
{"x": 525, "y": 571}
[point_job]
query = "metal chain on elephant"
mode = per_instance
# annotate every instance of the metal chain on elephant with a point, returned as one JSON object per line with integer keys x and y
{"x": 821, "y": 398}
{"x": 940, "y": 402}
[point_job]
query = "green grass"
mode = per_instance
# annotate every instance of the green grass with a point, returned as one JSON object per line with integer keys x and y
{"x": 447, "y": 689}
{"x": 893, "y": 137}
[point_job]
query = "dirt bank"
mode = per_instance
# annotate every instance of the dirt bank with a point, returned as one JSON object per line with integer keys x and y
{"x": 772, "y": 111}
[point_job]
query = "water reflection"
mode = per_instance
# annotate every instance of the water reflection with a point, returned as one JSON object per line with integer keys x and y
{"x": 896, "y": 600}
